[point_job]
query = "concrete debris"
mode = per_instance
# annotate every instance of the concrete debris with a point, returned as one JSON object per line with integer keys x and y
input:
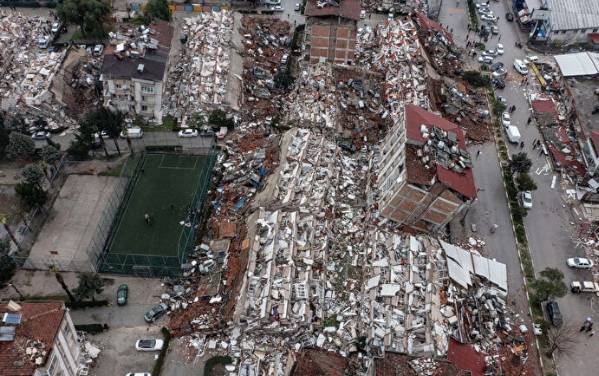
{"x": 197, "y": 83}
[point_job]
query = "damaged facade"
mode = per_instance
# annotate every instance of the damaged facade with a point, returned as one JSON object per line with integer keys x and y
{"x": 134, "y": 69}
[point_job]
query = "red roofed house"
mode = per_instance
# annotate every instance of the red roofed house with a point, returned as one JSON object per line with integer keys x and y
{"x": 38, "y": 339}
{"x": 425, "y": 175}
{"x": 331, "y": 30}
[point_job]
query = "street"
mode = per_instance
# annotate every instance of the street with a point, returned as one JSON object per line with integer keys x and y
{"x": 549, "y": 224}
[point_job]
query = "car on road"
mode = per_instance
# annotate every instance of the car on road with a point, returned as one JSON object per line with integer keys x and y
{"x": 188, "y": 132}
{"x": 121, "y": 294}
{"x": 578, "y": 287}
{"x": 579, "y": 263}
{"x": 494, "y": 30}
{"x": 491, "y": 52}
{"x": 155, "y": 312}
{"x": 499, "y": 49}
{"x": 555, "y": 315}
{"x": 501, "y": 99}
{"x": 509, "y": 17}
{"x": 488, "y": 18}
{"x": 133, "y": 132}
{"x": 498, "y": 83}
{"x": 525, "y": 199}
{"x": 520, "y": 66}
{"x": 485, "y": 59}
{"x": 496, "y": 66}
{"x": 149, "y": 344}
{"x": 41, "y": 135}
{"x": 506, "y": 120}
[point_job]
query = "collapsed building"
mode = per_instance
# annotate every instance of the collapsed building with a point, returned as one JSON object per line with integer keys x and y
{"x": 331, "y": 28}
{"x": 134, "y": 69}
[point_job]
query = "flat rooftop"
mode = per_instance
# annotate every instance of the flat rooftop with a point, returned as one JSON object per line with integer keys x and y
{"x": 585, "y": 101}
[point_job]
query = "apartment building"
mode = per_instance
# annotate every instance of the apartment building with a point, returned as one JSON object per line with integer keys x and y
{"x": 134, "y": 70}
{"x": 38, "y": 339}
{"x": 425, "y": 173}
{"x": 331, "y": 30}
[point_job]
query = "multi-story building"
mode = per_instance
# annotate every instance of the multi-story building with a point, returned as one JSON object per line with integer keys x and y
{"x": 134, "y": 78}
{"x": 38, "y": 339}
{"x": 425, "y": 173}
{"x": 331, "y": 30}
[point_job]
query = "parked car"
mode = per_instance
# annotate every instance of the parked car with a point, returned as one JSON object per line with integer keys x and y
{"x": 56, "y": 26}
{"x": 362, "y": 14}
{"x": 121, "y": 294}
{"x": 496, "y": 66}
{"x": 155, "y": 312}
{"x": 498, "y": 83}
{"x": 499, "y": 49}
{"x": 555, "y": 315}
{"x": 41, "y": 135}
{"x": 506, "y": 119}
{"x": 520, "y": 67}
{"x": 188, "y": 132}
{"x": 485, "y": 59}
{"x": 579, "y": 263}
{"x": 133, "y": 132}
{"x": 499, "y": 73}
{"x": 525, "y": 199}
{"x": 149, "y": 344}
{"x": 509, "y": 17}
{"x": 494, "y": 30}
{"x": 297, "y": 7}
{"x": 43, "y": 41}
{"x": 502, "y": 99}
{"x": 488, "y": 18}
{"x": 284, "y": 59}
{"x": 491, "y": 52}
{"x": 98, "y": 49}
{"x": 584, "y": 286}
{"x": 138, "y": 374}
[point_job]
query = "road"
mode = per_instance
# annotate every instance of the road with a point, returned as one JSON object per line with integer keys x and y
{"x": 549, "y": 224}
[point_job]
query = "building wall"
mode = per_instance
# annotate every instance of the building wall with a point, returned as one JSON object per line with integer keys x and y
{"x": 591, "y": 159}
{"x": 66, "y": 353}
{"x": 142, "y": 97}
{"x": 392, "y": 173}
{"x": 572, "y": 36}
{"x": 331, "y": 39}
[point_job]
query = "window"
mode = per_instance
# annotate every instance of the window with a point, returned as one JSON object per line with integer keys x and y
{"x": 143, "y": 98}
{"x": 147, "y": 89}
{"x": 144, "y": 108}
{"x": 595, "y": 30}
{"x": 68, "y": 333}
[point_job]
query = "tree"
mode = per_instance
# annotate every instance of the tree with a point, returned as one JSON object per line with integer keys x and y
{"x": 84, "y": 138}
{"x": 50, "y": 154}
{"x": 60, "y": 280}
{"x": 32, "y": 174}
{"x": 520, "y": 162}
{"x": 550, "y": 286}
{"x": 8, "y": 266}
{"x": 90, "y": 284}
{"x": 30, "y": 195}
{"x": 157, "y": 9}
{"x": 20, "y": 146}
{"x": 525, "y": 182}
{"x": 219, "y": 118}
{"x": 88, "y": 15}
{"x": 475, "y": 79}
{"x": 561, "y": 339}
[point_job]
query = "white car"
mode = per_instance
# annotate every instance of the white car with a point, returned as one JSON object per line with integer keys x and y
{"x": 532, "y": 58}
{"x": 520, "y": 67}
{"x": 362, "y": 14}
{"x": 579, "y": 263}
{"x": 149, "y": 344}
{"x": 499, "y": 73}
{"x": 488, "y": 18}
{"x": 499, "y": 49}
{"x": 506, "y": 119}
{"x": 526, "y": 199}
{"x": 41, "y": 135}
{"x": 139, "y": 374}
{"x": 390, "y": 16}
{"x": 186, "y": 133}
{"x": 98, "y": 49}
{"x": 486, "y": 59}
{"x": 297, "y": 7}
{"x": 55, "y": 27}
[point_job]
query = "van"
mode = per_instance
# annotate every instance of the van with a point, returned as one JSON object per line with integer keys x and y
{"x": 513, "y": 134}
{"x": 133, "y": 132}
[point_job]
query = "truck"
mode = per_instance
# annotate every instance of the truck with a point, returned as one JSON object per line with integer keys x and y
{"x": 513, "y": 134}
{"x": 578, "y": 287}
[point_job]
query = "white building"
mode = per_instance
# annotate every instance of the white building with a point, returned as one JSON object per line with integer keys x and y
{"x": 42, "y": 328}
{"x": 134, "y": 78}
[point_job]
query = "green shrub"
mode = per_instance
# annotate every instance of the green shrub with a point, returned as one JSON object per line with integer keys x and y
{"x": 476, "y": 79}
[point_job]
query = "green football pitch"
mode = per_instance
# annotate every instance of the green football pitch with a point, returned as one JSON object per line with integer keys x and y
{"x": 164, "y": 187}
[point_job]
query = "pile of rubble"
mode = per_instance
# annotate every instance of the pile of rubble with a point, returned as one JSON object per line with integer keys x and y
{"x": 266, "y": 63}
{"x": 198, "y": 82}
{"x": 28, "y": 70}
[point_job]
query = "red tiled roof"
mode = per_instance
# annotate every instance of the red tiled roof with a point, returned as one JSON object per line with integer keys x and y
{"x": 459, "y": 182}
{"x": 594, "y": 37}
{"x": 349, "y": 9}
{"x": 428, "y": 24}
{"x": 417, "y": 116}
{"x": 40, "y": 322}
{"x": 544, "y": 106}
{"x": 466, "y": 358}
{"x": 595, "y": 140}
